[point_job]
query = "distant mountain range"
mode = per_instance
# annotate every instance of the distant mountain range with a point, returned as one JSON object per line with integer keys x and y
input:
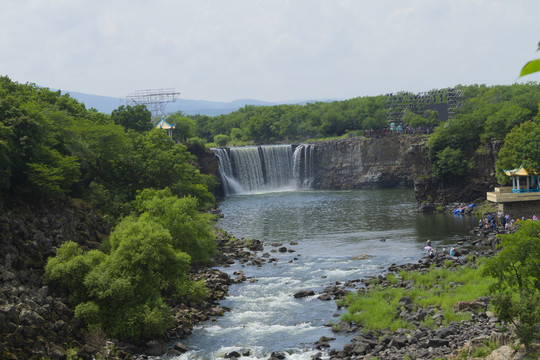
{"x": 107, "y": 104}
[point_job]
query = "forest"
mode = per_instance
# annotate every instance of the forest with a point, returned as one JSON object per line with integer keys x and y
{"x": 148, "y": 185}
{"x": 485, "y": 113}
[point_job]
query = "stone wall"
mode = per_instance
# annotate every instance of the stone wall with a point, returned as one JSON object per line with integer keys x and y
{"x": 517, "y": 210}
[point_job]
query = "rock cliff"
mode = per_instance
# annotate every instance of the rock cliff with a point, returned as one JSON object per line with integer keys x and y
{"x": 355, "y": 163}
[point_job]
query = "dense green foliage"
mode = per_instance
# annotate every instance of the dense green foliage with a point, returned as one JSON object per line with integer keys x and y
{"x": 487, "y": 113}
{"x": 376, "y": 308}
{"x": 520, "y": 148}
{"x": 137, "y": 117}
{"x": 517, "y": 289}
{"x": 121, "y": 290}
{"x": 293, "y": 123}
{"x": 51, "y": 146}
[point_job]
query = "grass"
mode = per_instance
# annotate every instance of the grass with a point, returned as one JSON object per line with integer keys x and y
{"x": 484, "y": 208}
{"x": 439, "y": 288}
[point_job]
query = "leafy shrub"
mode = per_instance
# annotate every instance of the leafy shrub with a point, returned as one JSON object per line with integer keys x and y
{"x": 121, "y": 292}
{"x": 517, "y": 290}
{"x": 221, "y": 140}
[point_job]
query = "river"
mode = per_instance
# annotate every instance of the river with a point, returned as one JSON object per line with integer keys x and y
{"x": 328, "y": 230}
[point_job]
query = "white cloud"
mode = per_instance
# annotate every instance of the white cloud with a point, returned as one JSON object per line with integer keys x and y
{"x": 266, "y": 49}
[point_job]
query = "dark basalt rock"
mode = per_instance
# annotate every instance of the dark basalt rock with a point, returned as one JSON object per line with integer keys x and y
{"x": 304, "y": 293}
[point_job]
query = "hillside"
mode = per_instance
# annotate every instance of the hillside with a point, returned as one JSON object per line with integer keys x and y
{"x": 106, "y": 104}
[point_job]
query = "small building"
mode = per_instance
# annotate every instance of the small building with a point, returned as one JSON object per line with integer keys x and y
{"x": 163, "y": 124}
{"x": 520, "y": 199}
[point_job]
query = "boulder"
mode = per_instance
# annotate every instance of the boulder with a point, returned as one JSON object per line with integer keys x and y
{"x": 153, "y": 348}
{"x": 502, "y": 353}
{"x": 304, "y": 293}
{"x": 232, "y": 355}
{"x": 277, "y": 355}
{"x": 472, "y": 306}
{"x": 180, "y": 347}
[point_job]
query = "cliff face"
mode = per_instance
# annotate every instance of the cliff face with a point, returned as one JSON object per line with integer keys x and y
{"x": 471, "y": 187}
{"x": 356, "y": 163}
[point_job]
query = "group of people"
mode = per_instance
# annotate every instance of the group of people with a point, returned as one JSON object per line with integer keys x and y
{"x": 432, "y": 252}
{"x": 499, "y": 223}
{"x": 399, "y": 129}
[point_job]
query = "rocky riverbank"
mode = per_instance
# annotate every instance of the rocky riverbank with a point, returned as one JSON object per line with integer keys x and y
{"x": 35, "y": 320}
{"x": 424, "y": 342}
{"x": 484, "y": 332}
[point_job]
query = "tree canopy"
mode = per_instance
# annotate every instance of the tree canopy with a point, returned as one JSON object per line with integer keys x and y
{"x": 51, "y": 146}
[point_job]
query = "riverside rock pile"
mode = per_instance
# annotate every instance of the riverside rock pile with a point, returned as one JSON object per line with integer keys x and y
{"x": 422, "y": 343}
{"x": 35, "y": 320}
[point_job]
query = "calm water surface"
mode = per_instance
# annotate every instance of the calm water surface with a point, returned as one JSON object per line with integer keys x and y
{"x": 330, "y": 228}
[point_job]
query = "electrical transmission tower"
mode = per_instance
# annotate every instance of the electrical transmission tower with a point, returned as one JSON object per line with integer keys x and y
{"x": 154, "y": 99}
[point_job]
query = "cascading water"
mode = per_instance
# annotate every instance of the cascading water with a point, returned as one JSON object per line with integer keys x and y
{"x": 258, "y": 169}
{"x": 230, "y": 184}
{"x": 303, "y": 166}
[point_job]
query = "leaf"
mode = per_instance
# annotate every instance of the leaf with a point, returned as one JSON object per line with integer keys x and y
{"x": 530, "y": 67}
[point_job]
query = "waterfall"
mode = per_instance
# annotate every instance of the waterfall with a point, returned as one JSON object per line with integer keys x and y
{"x": 230, "y": 184}
{"x": 256, "y": 169}
{"x": 303, "y": 166}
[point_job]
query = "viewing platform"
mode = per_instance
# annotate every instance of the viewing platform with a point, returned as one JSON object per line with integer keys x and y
{"x": 505, "y": 195}
{"x": 520, "y": 199}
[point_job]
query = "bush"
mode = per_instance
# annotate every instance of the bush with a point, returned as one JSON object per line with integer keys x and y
{"x": 517, "y": 290}
{"x": 121, "y": 292}
{"x": 189, "y": 229}
{"x": 449, "y": 162}
{"x": 221, "y": 140}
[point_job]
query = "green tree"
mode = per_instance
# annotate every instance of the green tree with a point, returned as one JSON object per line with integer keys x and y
{"x": 69, "y": 268}
{"x": 184, "y": 126}
{"x": 136, "y": 117}
{"x": 517, "y": 290}
{"x": 125, "y": 289}
{"x": 501, "y": 122}
{"x": 189, "y": 229}
{"x": 121, "y": 292}
{"x": 519, "y": 147}
{"x": 221, "y": 140}
{"x": 414, "y": 120}
{"x": 449, "y": 162}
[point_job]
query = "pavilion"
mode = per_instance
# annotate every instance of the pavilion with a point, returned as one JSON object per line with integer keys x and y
{"x": 520, "y": 199}
{"x": 163, "y": 124}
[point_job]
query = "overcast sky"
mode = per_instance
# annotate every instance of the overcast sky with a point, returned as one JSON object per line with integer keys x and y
{"x": 270, "y": 50}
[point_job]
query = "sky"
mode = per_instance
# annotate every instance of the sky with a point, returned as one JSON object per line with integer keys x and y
{"x": 270, "y": 50}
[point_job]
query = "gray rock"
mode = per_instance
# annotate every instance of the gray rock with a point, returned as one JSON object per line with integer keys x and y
{"x": 304, "y": 293}
{"x": 180, "y": 347}
{"x": 153, "y": 348}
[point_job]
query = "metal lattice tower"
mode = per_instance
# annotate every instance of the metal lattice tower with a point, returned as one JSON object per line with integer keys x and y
{"x": 396, "y": 104}
{"x": 154, "y": 99}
